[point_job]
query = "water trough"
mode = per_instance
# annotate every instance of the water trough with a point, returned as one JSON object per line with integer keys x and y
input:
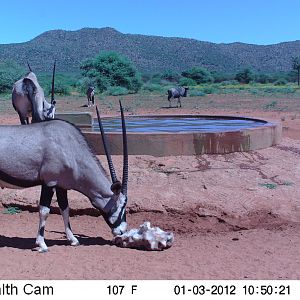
{"x": 165, "y": 135}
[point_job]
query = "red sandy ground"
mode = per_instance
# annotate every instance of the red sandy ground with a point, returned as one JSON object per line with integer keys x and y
{"x": 228, "y": 222}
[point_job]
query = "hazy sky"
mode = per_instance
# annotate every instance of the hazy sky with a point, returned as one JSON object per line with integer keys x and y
{"x": 219, "y": 21}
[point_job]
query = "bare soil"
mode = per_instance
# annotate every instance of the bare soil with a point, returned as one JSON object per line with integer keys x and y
{"x": 234, "y": 216}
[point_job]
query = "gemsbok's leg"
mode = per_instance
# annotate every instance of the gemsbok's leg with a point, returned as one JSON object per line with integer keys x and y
{"x": 63, "y": 204}
{"x": 44, "y": 210}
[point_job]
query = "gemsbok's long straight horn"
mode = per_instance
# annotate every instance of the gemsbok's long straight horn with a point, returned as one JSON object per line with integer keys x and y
{"x": 125, "y": 154}
{"x": 52, "y": 87}
{"x": 29, "y": 66}
{"x": 106, "y": 149}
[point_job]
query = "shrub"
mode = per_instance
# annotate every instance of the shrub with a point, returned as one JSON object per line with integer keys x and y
{"x": 245, "y": 76}
{"x": 184, "y": 81}
{"x": 116, "y": 91}
{"x": 209, "y": 90}
{"x": 112, "y": 69}
{"x": 281, "y": 81}
{"x": 170, "y": 76}
{"x": 200, "y": 75}
{"x": 152, "y": 87}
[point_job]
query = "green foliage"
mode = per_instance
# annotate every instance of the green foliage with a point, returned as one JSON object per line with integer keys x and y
{"x": 200, "y": 75}
{"x": 155, "y": 79}
{"x": 12, "y": 210}
{"x": 196, "y": 93}
{"x": 170, "y": 76}
{"x": 245, "y": 76}
{"x": 111, "y": 69}
{"x": 152, "y": 87}
{"x": 270, "y": 186}
{"x": 10, "y": 72}
{"x": 280, "y": 81}
{"x": 296, "y": 66}
{"x": 263, "y": 78}
{"x": 221, "y": 76}
{"x": 296, "y": 63}
{"x": 116, "y": 91}
{"x": 184, "y": 81}
{"x": 229, "y": 82}
{"x": 64, "y": 83}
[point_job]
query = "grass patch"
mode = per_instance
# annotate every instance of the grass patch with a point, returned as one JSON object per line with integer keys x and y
{"x": 270, "y": 186}
{"x": 12, "y": 210}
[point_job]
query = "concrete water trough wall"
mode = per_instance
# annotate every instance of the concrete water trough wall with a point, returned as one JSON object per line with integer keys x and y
{"x": 190, "y": 143}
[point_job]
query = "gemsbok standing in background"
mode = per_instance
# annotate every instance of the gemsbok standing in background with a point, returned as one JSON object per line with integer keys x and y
{"x": 28, "y": 99}
{"x": 177, "y": 92}
{"x": 90, "y": 93}
{"x": 59, "y": 157}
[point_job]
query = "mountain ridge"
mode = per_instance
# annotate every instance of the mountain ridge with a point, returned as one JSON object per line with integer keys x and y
{"x": 150, "y": 54}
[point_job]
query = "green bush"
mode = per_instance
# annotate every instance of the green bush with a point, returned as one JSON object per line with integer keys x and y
{"x": 229, "y": 82}
{"x": 209, "y": 90}
{"x": 170, "y": 76}
{"x": 116, "y": 91}
{"x": 63, "y": 84}
{"x": 112, "y": 69}
{"x": 245, "y": 76}
{"x": 184, "y": 81}
{"x": 281, "y": 81}
{"x": 200, "y": 75}
{"x": 152, "y": 87}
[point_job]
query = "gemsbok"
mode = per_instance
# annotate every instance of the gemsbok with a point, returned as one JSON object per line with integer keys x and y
{"x": 56, "y": 155}
{"x": 177, "y": 92}
{"x": 28, "y": 99}
{"x": 90, "y": 94}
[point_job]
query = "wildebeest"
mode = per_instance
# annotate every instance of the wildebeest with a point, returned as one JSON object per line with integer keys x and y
{"x": 177, "y": 92}
{"x": 90, "y": 93}
{"x": 56, "y": 155}
{"x": 28, "y": 99}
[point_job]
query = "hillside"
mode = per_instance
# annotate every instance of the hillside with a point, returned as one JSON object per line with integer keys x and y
{"x": 149, "y": 53}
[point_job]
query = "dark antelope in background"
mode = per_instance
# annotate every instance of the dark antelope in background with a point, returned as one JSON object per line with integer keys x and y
{"x": 28, "y": 99}
{"x": 59, "y": 157}
{"x": 90, "y": 93}
{"x": 177, "y": 92}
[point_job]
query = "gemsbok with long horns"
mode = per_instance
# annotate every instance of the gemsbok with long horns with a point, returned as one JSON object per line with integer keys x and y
{"x": 28, "y": 99}
{"x": 59, "y": 157}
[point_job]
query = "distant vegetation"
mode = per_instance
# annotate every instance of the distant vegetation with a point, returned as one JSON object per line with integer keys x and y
{"x": 114, "y": 74}
{"x": 111, "y": 72}
{"x": 9, "y": 73}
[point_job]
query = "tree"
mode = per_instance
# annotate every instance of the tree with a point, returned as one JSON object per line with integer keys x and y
{"x": 200, "y": 75}
{"x": 245, "y": 76}
{"x": 111, "y": 69}
{"x": 296, "y": 66}
{"x": 170, "y": 76}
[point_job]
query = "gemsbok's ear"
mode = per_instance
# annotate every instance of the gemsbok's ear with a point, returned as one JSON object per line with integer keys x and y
{"x": 116, "y": 187}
